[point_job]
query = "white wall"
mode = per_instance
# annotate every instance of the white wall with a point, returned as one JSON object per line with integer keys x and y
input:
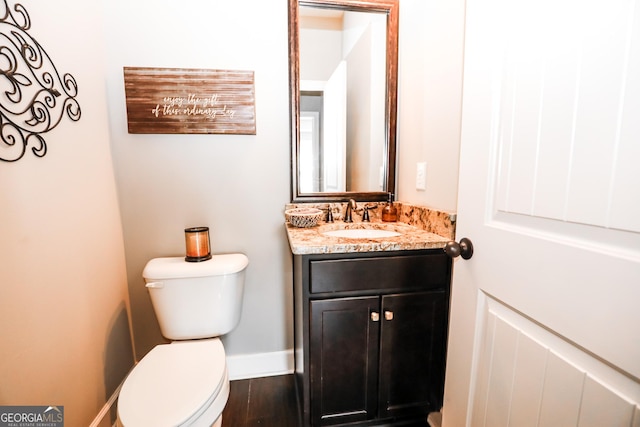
{"x": 320, "y": 41}
{"x": 430, "y": 99}
{"x": 64, "y": 327}
{"x": 235, "y": 184}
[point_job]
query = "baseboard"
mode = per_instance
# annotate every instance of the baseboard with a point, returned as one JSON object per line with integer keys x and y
{"x": 435, "y": 419}
{"x": 245, "y": 366}
{"x": 104, "y": 416}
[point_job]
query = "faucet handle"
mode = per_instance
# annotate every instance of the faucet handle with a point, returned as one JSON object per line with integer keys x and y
{"x": 365, "y": 214}
{"x": 329, "y": 214}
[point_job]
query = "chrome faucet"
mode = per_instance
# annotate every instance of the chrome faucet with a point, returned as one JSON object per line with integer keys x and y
{"x": 351, "y": 206}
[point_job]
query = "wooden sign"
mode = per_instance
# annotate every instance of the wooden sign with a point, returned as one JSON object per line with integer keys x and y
{"x": 178, "y": 100}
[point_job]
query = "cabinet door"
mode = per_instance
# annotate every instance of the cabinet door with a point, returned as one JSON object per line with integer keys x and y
{"x": 343, "y": 351}
{"x": 412, "y": 353}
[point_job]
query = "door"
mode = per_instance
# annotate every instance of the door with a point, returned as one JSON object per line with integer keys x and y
{"x": 310, "y": 166}
{"x": 545, "y": 317}
{"x": 334, "y": 135}
{"x": 343, "y": 351}
{"x": 412, "y": 350}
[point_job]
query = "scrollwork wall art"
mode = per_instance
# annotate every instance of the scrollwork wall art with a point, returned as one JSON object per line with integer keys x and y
{"x": 34, "y": 98}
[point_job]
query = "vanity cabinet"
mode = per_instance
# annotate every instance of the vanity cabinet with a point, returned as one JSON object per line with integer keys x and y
{"x": 370, "y": 336}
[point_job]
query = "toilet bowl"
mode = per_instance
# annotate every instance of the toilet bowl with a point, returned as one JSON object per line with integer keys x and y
{"x": 186, "y": 383}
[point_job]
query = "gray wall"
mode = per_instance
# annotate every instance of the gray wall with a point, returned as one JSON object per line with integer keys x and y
{"x": 235, "y": 184}
{"x": 238, "y": 185}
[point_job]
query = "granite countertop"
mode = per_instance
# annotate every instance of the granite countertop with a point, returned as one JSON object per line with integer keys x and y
{"x": 420, "y": 228}
{"x": 304, "y": 241}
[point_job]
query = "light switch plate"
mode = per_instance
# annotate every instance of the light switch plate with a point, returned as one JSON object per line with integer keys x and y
{"x": 421, "y": 176}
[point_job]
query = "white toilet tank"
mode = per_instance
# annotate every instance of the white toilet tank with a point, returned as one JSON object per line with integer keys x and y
{"x": 196, "y": 299}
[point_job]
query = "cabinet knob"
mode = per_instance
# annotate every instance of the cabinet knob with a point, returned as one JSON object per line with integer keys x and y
{"x": 388, "y": 315}
{"x": 375, "y": 316}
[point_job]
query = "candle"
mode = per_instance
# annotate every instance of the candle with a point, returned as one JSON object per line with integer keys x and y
{"x": 197, "y": 242}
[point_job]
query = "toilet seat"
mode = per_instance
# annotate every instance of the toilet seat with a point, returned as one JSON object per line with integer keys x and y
{"x": 175, "y": 384}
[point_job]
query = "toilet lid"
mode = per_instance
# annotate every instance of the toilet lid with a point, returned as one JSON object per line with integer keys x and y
{"x": 172, "y": 383}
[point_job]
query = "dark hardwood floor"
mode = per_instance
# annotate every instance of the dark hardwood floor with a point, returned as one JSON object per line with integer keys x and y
{"x": 265, "y": 402}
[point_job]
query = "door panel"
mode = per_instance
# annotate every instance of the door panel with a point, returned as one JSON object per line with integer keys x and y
{"x": 550, "y": 199}
{"x": 531, "y": 377}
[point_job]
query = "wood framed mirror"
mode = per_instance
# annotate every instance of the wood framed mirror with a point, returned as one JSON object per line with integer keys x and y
{"x": 343, "y": 57}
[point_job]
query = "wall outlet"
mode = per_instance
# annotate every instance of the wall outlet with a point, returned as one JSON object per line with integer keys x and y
{"x": 421, "y": 176}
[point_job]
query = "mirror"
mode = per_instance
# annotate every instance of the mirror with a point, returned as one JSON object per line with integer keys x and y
{"x": 343, "y": 86}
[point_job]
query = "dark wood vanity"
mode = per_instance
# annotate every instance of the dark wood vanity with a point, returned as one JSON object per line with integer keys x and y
{"x": 370, "y": 336}
{"x": 371, "y": 315}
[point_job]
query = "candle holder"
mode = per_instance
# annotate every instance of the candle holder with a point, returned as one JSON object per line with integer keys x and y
{"x": 197, "y": 242}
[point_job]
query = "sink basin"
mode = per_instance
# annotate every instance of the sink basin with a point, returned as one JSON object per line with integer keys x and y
{"x": 361, "y": 233}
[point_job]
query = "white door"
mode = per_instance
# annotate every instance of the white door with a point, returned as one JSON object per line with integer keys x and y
{"x": 335, "y": 130}
{"x": 545, "y": 317}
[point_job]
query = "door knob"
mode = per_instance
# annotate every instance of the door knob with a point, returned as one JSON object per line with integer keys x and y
{"x": 464, "y": 248}
{"x": 375, "y": 316}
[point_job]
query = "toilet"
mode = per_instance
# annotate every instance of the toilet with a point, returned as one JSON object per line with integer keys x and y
{"x": 186, "y": 383}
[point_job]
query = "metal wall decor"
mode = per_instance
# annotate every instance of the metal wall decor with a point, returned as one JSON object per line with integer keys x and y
{"x": 33, "y": 96}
